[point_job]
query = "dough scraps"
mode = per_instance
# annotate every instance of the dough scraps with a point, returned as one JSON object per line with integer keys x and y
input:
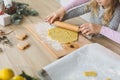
{"x": 90, "y": 73}
{"x": 62, "y": 35}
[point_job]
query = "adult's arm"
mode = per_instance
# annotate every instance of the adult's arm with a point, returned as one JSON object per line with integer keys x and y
{"x": 111, "y": 34}
{"x": 73, "y": 3}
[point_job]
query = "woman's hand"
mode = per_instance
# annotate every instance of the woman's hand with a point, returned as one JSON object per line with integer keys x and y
{"x": 58, "y": 15}
{"x": 89, "y": 28}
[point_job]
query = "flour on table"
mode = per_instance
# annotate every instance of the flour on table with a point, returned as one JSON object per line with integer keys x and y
{"x": 42, "y": 30}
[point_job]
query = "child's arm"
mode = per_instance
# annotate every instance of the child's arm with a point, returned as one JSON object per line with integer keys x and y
{"x": 73, "y": 3}
{"x": 114, "y": 23}
{"x": 59, "y": 14}
{"x": 77, "y": 11}
{"x": 111, "y": 34}
{"x": 89, "y": 28}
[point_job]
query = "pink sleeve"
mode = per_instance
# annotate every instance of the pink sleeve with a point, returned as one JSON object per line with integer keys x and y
{"x": 73, "y": 3}
{"x": 111, "y": 34}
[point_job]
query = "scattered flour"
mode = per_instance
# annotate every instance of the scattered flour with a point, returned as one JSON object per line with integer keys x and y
{"x": 42, "y": 30}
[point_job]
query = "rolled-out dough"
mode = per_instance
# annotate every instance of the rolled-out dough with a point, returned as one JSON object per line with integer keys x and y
{"x": 62, "y": 35}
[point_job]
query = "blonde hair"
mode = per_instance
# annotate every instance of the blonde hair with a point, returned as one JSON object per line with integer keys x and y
{"x": 107, "y": 16}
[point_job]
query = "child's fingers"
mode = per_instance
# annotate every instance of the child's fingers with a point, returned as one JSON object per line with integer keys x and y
{"x": 83, "y": 25}
{"x": 83, "y": 28}
{"x": 48, "y": 18}
{"x": 61, "y": 17}
{"x": 53, "y": 18}
{"x": 85, "y": 31}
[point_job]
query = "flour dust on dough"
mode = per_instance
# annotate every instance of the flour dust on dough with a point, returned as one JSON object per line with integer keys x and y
{"x": 62, "y": 35}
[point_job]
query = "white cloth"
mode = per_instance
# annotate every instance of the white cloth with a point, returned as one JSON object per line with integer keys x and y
{"x": 91, "y": 57}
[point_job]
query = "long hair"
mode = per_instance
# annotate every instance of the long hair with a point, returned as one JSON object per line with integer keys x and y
{"x": 107, "y": 16}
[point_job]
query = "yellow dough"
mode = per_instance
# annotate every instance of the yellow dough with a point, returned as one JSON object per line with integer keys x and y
{"x": 90, "y": 73}
{"x": 62, "y": 35}
{"x": 108, "y": 79}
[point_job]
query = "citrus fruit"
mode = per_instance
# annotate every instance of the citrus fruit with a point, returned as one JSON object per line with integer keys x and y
{"x": 18, "y": 78}
{"x": 6, "y": 74}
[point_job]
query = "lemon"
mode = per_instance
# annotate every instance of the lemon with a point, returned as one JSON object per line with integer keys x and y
{"x": 6, "y": 74}
{"x": 18, "y": 78}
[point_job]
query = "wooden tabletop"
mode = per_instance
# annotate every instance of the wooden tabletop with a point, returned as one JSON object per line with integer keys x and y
{"x": 36, "y": 56}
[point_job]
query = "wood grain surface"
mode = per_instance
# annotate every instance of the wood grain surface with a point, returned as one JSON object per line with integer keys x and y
{"x": 37, "y": 55}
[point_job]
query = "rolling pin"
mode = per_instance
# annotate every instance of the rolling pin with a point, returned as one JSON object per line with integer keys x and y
{"x": 66, "y": 26}
{"x": 70, "y": 27}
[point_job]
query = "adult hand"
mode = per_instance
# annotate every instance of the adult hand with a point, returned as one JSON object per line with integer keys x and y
{"x": 57, "y": 15}
{"x": 89, "y": 28}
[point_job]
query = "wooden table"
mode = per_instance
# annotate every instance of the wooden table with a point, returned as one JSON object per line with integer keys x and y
{"x": 36, "y": 56}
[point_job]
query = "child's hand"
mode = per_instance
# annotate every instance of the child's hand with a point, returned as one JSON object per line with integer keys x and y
{"x": 58, "y": 15}
{"x": 89, "y": 28}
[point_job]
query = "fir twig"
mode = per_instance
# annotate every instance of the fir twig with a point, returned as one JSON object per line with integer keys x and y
{"x": 22, "y": 10}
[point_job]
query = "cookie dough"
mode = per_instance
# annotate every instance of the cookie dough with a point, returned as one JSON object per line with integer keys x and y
{"x": 23, "y": 45}
{"x": 90, "y": 73}
{"x": 62, "y": 35}
{"x": 108, "y": 79}
{"x": 21, "y": 36}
